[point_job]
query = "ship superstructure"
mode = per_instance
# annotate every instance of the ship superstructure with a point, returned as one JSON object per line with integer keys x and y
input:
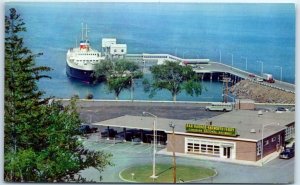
{"x": 81, "y": 61}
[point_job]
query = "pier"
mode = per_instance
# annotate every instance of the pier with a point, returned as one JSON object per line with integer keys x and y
{"x": 210, "y": 70}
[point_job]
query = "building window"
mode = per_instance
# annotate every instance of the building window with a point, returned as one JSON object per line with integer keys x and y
{"x": 258, "y": 149}
{"x": 273, "y": 139}
{"x": 122, "y": 50}
{"x": 266, "y": 142}
{"x": 216, "y": 149}
{"x": 203, "y": 148}
{"x": 198, "y": 146}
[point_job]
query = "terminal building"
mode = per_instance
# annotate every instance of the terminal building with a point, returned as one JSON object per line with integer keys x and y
{"x": 240, "y": 134}
{"x": 112, "y": 50}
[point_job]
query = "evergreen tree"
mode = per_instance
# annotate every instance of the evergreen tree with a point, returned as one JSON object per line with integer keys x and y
{"x": 41, "y": 140}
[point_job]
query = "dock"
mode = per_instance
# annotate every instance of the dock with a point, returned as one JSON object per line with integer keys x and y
{"x": 211, "y": 70}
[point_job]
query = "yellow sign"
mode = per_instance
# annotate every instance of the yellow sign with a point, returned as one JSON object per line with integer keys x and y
{"x": 210, "y": 129}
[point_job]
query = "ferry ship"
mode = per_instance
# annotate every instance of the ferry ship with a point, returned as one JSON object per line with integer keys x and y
{"x": 81, "y": 61}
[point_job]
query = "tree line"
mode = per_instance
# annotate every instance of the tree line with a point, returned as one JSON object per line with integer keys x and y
{"x": 171, "y": 76}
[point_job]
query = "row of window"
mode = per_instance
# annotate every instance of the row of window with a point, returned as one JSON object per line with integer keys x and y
{"x": 87, "y": 60}
{"x": 266, "y": 141}
{"x": 155, "y": 56}
{"x": 221, "y": 105}
{"x": 203, "y": 148}
{"x": 94, "y": 54}
{"x": 289, "y": 132}
{"x": 122, "y": 50}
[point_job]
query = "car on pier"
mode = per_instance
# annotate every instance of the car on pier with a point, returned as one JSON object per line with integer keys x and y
{"x": 252, "y": 75}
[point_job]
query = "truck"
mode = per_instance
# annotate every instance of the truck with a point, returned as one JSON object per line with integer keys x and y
{"x": 268, "y": 78}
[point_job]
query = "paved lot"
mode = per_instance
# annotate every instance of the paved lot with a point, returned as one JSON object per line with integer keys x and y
{"x": 128, "y": 154}
{"x": 100, "y": 111}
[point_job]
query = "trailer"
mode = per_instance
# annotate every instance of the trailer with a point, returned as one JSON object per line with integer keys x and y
{"x": 268, "y": 78}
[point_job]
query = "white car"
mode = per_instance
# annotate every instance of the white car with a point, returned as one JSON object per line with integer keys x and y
{"x": 281, "y": 110}
{"x": 259, "y": 79}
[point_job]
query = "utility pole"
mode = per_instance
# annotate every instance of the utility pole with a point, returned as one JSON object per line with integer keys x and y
{"x": 131, "y": 90}
{"x": 172, "y": 125}
{"x": 225, "y": 91}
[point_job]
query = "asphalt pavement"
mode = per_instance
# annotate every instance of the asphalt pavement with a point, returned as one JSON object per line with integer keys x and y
{"x": 129, "y": 154}
{"x": 92, "y": 112}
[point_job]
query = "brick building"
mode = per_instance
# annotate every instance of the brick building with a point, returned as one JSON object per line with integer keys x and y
{"x": 238, "y": 134}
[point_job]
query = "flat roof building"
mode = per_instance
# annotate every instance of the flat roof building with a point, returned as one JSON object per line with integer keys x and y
{"x": 234, "y": 135}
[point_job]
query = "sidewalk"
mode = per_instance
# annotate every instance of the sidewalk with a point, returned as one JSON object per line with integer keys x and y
{"x": 262, "y": 162}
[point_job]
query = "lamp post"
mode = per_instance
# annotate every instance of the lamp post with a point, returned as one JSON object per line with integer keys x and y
{"x": 154, "y": 143}
{"x": 262, "y": 140}
{"x": 262, "y": 66}
{"x": 184, "y": 53}
{"x": 231, "y": 60}
{"x": 220, "y": 60}
{"x": 172, "y": 125}
{"x": 246, "y": 62}
{"x": 280, "y": 72}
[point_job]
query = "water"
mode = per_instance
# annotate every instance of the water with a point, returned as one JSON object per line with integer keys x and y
{"x": 263, "y": 32}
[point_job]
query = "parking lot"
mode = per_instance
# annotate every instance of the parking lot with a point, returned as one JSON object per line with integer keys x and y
{"x": 131, "y": 153}
{"x": 118, "y": 147}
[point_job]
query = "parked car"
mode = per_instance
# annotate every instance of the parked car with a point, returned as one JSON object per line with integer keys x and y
{"x": 281, "y": 109}
{"x": 252, "y": 75}
{"x": 287, "y": 153}
{"x": 87, "y": 129}
{"x": 137, "y": 140}
{"x": 112, "y": 133}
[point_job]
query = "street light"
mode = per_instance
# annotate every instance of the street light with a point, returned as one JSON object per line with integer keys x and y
{"x": 231, "y": 60}
{"x": 220, "y": 60}
{"x": 262, "y": 66}
{"x": 246, "y": 62}
{"x": 184, "y": 53}
{"x": 280, "y": 72}
{"x": 172, "y": 125}
{"x": 154, "y": 144}
{"x": 262, "y": 140}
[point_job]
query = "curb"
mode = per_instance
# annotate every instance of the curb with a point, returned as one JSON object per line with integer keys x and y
{"x": 125, "y": 180}
{"x": 216, "y": 173}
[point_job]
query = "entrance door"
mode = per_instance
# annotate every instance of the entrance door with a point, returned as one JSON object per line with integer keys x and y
{"x": 227, "y": 152}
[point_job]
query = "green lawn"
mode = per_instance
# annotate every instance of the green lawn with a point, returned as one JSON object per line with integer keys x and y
{"x": 165, "y": 173}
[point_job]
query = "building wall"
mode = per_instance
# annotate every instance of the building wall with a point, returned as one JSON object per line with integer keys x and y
{"x": 244, "y": 105}
{"x": 179, "y": 143}
{"x": 273, "y": 145}
{"x": 246, "y": 150}
{"x": 243, "y": 150}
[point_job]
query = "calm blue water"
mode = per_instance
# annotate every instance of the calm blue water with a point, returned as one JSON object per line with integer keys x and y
{"x": 263, "y": 32}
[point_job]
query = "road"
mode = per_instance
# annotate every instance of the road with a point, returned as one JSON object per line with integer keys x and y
{"x": 219, "y": 67}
